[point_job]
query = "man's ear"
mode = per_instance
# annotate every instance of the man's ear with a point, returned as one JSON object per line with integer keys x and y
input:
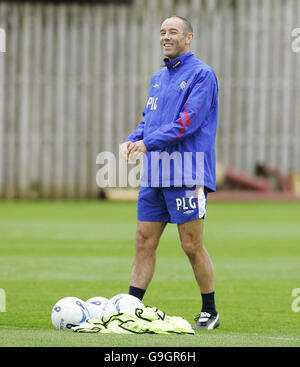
{"x": 190, "y": 37}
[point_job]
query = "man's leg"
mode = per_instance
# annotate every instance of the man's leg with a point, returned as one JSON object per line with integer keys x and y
{"x": 147, "y": 239}
{"x": 191, "y": 236}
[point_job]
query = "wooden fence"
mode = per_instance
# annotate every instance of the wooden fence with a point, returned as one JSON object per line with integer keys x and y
{"x": 74, "y": 79}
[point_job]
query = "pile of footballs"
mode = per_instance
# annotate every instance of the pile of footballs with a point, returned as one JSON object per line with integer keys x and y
{"x": 72, "y": 311}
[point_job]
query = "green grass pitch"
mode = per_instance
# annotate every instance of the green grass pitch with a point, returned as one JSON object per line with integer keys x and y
{"x": 54, "y": 249}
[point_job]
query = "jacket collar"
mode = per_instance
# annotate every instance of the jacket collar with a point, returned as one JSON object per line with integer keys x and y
{"x": 180, "y": 60}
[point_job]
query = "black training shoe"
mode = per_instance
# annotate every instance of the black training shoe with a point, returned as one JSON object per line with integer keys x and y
{"x": 206, "y": 321}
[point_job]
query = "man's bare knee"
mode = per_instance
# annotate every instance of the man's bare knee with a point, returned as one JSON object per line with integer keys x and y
{"x": 147, "y": 238}
{"x": 191, "y": 238}
{"x": 191, "y": 247}
{"x": 144, "y": 242}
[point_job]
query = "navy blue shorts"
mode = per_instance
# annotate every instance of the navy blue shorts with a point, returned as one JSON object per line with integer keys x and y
{"x": 171, "y": 204}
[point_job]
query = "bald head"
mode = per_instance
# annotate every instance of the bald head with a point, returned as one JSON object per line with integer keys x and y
{"x": 187, "y": 26}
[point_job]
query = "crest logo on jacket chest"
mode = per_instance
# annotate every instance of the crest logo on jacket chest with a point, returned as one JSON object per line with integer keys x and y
{"x": 183, "y": 84}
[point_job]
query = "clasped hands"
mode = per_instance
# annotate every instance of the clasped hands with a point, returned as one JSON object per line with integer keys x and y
{"x": 132, "y": 151}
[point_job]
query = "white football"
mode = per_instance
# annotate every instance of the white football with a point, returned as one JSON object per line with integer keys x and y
{"x": 123, "y": 302}
{"x": 96, "y": 306}
{"x": 69, "y": 311}
{"x": 109, "y": 308}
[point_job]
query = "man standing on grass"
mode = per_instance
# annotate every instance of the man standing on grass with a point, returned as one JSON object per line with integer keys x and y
{"x": 177, "y": 139}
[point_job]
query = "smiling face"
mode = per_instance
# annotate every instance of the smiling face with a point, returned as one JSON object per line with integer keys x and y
{"x": 175, "y": 40}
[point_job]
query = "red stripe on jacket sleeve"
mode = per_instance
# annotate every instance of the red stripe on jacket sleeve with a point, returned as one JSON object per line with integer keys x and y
{"x": 182, "y": 128}
{"x": 186, "y": 116}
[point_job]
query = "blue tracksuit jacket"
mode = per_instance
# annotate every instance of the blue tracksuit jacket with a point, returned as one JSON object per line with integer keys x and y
{"x": 180, "y": 116}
